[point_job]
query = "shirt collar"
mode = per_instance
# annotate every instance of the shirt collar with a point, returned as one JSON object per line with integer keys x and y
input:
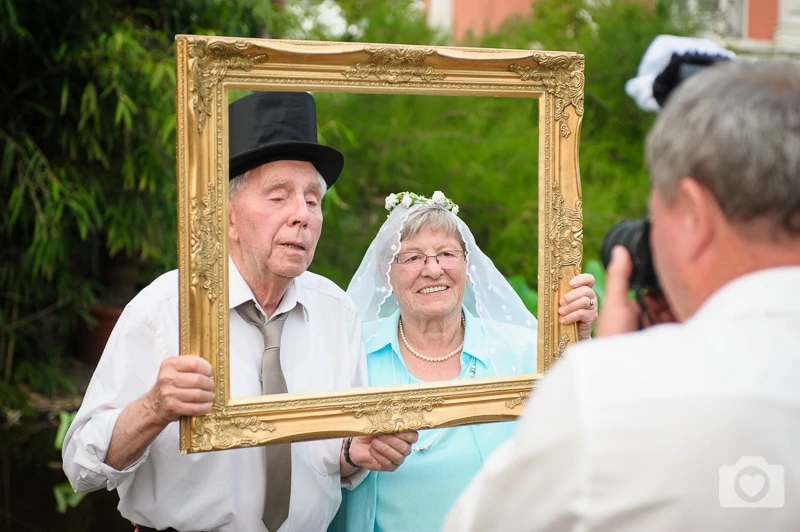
{"x": 239, "y": 292}
{"x": 772, "y": 290}
{"x": 474, "y": 336}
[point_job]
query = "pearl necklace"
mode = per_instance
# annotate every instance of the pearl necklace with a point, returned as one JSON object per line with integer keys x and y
{"x": 426, "y": 358}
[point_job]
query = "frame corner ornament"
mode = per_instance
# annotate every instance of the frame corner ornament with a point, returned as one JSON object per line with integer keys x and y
{"x": 560, "y": 75}
{"x": 395, "y": 65}
{"x": 216, "y": 430}
{"x": 210, "y": 62}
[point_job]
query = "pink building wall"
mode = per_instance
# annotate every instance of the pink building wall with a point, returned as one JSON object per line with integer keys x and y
{"x": 478, "y": 16}
{"x": 481, "y": 15}
{"x": 762, "y": 19}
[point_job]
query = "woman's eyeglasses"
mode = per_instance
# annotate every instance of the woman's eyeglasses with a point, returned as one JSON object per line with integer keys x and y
{"x": 415, "y": 260}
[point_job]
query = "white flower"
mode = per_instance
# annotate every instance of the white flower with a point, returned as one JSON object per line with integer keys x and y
{"x": 408, "y": 199}
{"x": 391, "y": 202}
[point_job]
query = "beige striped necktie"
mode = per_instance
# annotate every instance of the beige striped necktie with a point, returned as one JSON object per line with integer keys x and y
{"x": 279, "y": 457}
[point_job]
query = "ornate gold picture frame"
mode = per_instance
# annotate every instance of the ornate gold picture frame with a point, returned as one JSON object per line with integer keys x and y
{"x": 208, "y": 67}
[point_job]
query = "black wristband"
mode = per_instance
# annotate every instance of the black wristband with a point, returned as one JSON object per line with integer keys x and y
{"x": 347, "y": 459}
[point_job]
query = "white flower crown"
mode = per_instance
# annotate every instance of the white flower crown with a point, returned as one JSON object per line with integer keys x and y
{"x": 407, "y": 199}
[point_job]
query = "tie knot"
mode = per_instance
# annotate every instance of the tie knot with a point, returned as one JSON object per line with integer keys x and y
{"x": 271, "y": 330}
{"x": 250, "y": 312}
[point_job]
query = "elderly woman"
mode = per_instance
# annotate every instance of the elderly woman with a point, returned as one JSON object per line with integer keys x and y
{"x": 435, "y": 308}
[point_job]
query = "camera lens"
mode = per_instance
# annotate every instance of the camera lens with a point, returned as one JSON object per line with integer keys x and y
{"x": 633, "y": 235}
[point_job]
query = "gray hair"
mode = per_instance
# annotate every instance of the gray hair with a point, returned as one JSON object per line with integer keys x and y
{"x": 236, "y": 184}
{"x": 735, "y": 128}
{"x": 433, "y": 217}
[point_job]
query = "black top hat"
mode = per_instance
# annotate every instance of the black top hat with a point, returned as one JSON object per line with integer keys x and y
{"x": 274, "y": 126}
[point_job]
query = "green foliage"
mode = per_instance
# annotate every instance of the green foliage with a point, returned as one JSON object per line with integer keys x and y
{"x": 613, "y": 36}
{"x": 529, "y": 296}
{"x": 87, "y": 149}
{"x": 14, "y": 400}
{"x": 87, "y": 157}
{"x": 43, "y": 375}
{"x": 64, "y": 421}
{"x": 482, "y": 152}
{"x": 65, "y": 496}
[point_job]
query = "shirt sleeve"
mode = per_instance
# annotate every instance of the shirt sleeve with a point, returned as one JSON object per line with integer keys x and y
{"x": 359, "y": 380}
{"x": 533, "y": 481}
{"x": 127, "y": 369}
{"x": 352, "y": 482}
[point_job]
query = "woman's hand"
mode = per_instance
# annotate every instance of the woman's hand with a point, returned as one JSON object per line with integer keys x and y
{"x": 385, "y": 452}
{"x": 579, "y": 305}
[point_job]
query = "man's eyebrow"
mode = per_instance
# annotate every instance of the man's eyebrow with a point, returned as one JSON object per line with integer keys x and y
{"x": 274, "y": 182}
{"x": 314, "y": 187}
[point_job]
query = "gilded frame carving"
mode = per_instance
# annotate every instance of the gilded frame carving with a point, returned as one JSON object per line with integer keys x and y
{"x": 209, "y": 66}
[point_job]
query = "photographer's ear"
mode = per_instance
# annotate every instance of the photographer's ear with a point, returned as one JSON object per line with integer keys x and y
{"x": 700, "y": 213}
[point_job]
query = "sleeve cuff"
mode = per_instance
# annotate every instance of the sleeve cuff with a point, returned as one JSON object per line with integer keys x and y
{"x": 352, "y": 482}
{"x": 95, "y": 439}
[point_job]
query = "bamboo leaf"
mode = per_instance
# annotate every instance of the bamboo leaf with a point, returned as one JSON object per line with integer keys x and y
{"x": 9, "y": 156}
{"x": 64, "y": 98}
{"x": 64, "y": 421}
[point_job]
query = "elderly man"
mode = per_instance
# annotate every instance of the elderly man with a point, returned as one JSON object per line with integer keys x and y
{"x": 692, "y": 425}
{"x": 125, "y": 435}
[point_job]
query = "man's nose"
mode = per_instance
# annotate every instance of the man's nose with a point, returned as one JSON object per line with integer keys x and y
{"x": 300, "y": 212}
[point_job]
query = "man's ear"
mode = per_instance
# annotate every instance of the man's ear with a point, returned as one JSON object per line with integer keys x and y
{"x": 233, "y": 234}
{"x": 700, "y": 214}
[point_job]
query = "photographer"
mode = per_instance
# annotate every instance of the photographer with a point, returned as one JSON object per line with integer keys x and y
{"x": 693, "y": 425}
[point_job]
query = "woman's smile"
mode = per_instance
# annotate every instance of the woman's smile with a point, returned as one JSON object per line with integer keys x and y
{"x": 433, "y": 289}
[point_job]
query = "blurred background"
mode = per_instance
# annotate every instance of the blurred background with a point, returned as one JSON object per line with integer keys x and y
{"x": 87, "y": 168}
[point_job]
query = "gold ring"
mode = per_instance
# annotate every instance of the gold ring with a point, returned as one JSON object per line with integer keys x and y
{"x": 591, "y": 303}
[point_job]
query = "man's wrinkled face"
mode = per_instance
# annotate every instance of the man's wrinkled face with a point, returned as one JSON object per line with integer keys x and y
{"x": 276, "y": 219}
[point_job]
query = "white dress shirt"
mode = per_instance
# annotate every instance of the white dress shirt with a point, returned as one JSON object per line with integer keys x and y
{"x": 680, "y": 427}
{"x": 321, "y": 349}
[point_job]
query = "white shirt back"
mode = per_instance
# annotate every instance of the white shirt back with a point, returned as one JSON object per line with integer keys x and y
{"x": 680, "y": 427}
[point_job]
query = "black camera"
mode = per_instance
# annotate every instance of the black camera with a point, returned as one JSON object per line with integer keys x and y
{"x": 633, "y": 235}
